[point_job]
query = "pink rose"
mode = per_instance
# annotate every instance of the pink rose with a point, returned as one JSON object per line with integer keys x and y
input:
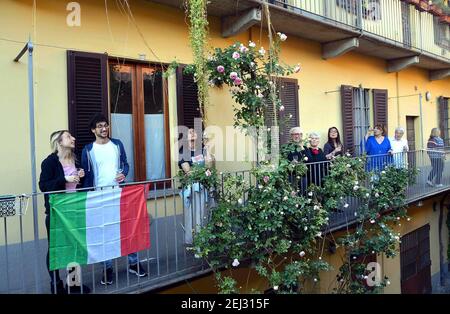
{"x": 207, "y": 173}
{"x": 220, "y": 69}
{"x": 233, "y": 75}
{"x": 237, "y": 81}
{"x": 266, "y": 179}
{"x": 243, "y": 49}
{"x": 236, "y": 55}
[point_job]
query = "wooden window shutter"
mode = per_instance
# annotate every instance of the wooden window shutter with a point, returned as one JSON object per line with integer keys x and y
{"x": 444, "y": 120}
{"x": 348, "y": 118}
{"x": 187, "y": 99}
{"x": 288, "y": 89}
{"x": 289, "y": 99}
{"x": 380, "y": 106}
{"x": 87, "y": 93}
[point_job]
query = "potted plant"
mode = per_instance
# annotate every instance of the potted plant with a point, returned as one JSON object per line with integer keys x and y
{"x": 435, "y": 9}
{"x": 444, "y": 19}
{"x": 422, "y": 5}
{"x": 414, "y": 2}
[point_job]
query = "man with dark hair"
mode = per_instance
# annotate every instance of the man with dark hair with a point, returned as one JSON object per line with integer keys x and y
{"x": 105, "y": 164}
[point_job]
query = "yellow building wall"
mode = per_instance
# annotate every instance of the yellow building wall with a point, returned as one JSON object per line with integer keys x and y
{"x": 161, "y": 33}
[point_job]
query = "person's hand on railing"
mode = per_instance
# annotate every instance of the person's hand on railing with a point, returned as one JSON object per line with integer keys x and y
{"x": 120, "y": 177}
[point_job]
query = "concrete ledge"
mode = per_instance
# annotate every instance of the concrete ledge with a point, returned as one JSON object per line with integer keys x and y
{"x": 233, "y": 25}
{"x": 337, "y": 48}
{"x": 396, "y": 65}
{"x": 439, "y": 74}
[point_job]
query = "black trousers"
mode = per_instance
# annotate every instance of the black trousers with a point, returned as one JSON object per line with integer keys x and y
{"x": 54, "y": 274}
{"x": 437, "y": 165}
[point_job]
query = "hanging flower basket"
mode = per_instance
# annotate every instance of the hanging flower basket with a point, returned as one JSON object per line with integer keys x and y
{"x": 435, "y": 10}
{"x": 414, "y": 2}
{"x": 444, "y": 19}
{"x": 422, "y": 5}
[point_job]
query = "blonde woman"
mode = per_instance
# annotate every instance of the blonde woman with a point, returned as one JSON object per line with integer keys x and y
{"x": 59, "y": 172}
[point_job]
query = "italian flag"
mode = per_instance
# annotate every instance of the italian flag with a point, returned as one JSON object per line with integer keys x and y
{"x": 95, "y": 226}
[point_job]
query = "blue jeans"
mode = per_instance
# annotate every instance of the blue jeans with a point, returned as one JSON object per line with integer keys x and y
{"x": 132, "y": 260}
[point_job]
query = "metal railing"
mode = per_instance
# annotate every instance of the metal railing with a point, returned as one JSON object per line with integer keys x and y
{"x": 394, "y": 21}
{"x": 172, "y": 219}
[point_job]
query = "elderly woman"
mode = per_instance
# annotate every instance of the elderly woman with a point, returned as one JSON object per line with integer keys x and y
{"x": 436, "y": 152}
{"x": 316, "y": 160}
{"x": 294, "y": 148}
{"x": 378, "y": 147}
{"x": 399, "y": 146}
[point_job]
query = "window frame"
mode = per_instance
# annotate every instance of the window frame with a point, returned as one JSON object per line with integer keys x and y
{"x": 138, "y": 115}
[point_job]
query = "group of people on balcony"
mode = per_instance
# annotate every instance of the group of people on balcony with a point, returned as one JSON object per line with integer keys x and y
{"x": 103, "y": 165}
{"x": 380, "y": 150}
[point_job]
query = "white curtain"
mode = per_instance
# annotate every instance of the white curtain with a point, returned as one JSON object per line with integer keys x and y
{"x": 122, "y": 129}
{"x": 155, "y": 146}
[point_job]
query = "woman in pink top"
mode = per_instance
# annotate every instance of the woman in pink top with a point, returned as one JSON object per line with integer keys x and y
{"x": 59, "y": 172}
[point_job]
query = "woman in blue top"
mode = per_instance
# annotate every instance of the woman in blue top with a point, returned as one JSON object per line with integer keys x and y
{"x": 377, "y": 147}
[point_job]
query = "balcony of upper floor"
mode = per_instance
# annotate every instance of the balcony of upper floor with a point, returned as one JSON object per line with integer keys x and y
{"x": 394, "y": 30}
{"x": 166, "y": 261}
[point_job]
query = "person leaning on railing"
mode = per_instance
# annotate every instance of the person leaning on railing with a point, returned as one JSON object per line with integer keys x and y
{"x": 195, "y": 196}
{"x": 59, "y": 172}
{"x": 436, "y": 153}
{"x": 378, "y": 148}
{"x": 315, "y": 160}
{"x": 399, "y": 147}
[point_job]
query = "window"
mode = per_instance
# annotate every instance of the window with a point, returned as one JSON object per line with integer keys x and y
{"x": 356, "y": 114}
{"x": 138, "y": 108}
{"x": 139, "y": 118}
{"x": 444, "y": 120}
{"x": 441, "y": 33}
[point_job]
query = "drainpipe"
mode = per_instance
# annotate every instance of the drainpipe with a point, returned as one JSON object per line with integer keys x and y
{"x": 421, "y": 120}
{"x": 442, "y": 269}
{"x": 29, "y": 47}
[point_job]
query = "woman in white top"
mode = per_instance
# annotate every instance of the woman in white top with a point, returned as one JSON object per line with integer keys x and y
{"x": 399, "y": 147}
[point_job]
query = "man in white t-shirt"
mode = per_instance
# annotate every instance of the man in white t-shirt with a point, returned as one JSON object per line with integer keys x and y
{"x": 105, "y": 164}
{"x": 399, "y": 147}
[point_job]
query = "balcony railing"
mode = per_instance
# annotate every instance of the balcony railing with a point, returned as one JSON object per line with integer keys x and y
{"x": 393, "y": 21}
{"x": 22, "y": 256}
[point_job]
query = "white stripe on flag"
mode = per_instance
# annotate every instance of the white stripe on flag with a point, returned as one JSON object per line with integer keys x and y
{"x": 103, "y": 225}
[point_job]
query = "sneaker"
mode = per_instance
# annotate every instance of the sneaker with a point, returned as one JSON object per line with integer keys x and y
{"x": 59, "y": 288}
{"x": 430, "y": 183}
{"x": 107, "y": 278}
{"x": 138, "y": 271}
{"x": 77, "y": 290}
{"x": 439, "y": 185}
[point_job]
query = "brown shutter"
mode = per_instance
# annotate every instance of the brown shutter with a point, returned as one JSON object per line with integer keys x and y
{"x": 187, "y": 99}
{"x": 347, "y": 117}
{"x": 289, "y": 99}
{"x": 87, "y": 93}
{"x": 380, "y": 106}
{"x": 444, "y": 120}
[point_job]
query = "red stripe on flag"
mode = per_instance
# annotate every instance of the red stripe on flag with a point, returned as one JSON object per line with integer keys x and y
{"x": 134, "y": 220}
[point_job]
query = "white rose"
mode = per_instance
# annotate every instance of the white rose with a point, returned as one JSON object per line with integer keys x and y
{"x": 372, "y": 221}
{"x": 275, "y": 288}
{"x": 306, "y": 228}
{"x": 262, "y": 51}
{"x": 310, "y": 193}
{"x": 302, "y": 253}
{"x": 235, "y": 263}
{"x": 251, "y": 44}
{"x": 240, "y": 201}
{"x": 346, "y": 205}
{"x": 305, "y": 159}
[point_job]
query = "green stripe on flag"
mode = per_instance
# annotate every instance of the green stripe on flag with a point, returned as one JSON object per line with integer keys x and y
{"x": 67, "y": 229}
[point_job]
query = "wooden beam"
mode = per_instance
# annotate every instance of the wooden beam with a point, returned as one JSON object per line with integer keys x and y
{"x": 236, "y": 24}
{"x": 337, "y": 48}
{"x": 396, "y": 65}
{"x": 439, "y": 74}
